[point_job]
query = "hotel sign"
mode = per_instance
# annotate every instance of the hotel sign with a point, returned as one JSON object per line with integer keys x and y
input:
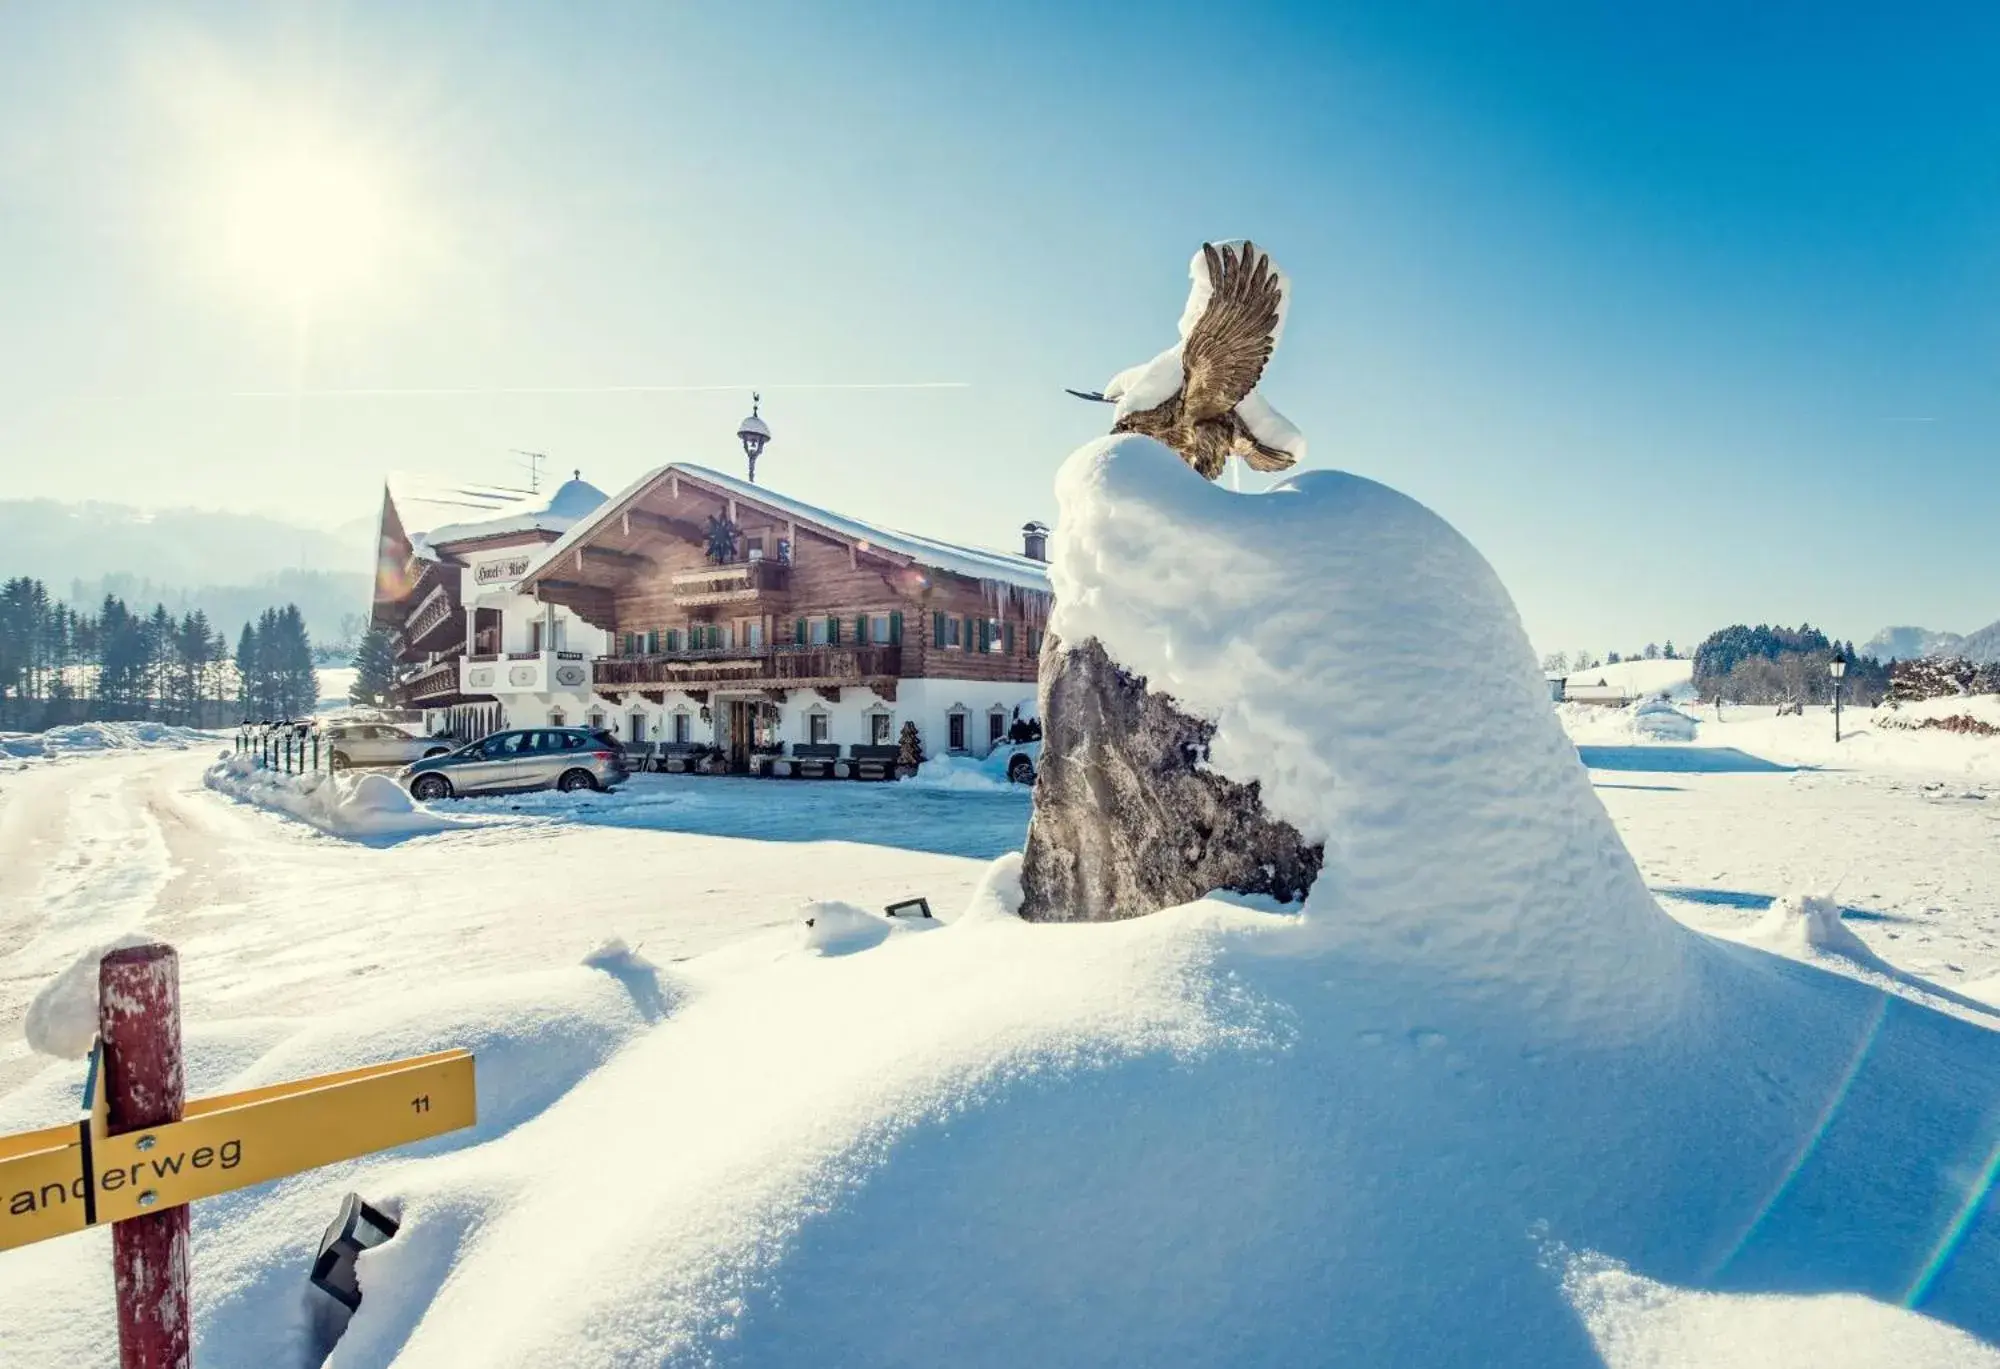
{"x": 493, "y": 572}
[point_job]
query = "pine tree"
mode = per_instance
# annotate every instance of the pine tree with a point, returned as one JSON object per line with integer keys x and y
{"x": 374, "y": 667}
{"x": 247, "y": 696}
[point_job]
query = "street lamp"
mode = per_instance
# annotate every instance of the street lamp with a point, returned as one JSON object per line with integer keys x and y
{"x": 753, "y": 433}
{"x": 1837, "y": 667}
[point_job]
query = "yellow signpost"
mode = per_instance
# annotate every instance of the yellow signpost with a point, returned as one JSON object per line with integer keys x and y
{"x": 63, "y": 1179}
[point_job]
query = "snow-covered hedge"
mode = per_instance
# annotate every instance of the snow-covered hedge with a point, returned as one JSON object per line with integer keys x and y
{"x": 356, "y": 806}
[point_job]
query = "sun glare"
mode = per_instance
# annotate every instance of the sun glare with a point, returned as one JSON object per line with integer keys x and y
{"x": 306, "y": 224}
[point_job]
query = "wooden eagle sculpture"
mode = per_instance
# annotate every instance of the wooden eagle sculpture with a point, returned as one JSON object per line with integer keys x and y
{"x": 1200, "y": 395}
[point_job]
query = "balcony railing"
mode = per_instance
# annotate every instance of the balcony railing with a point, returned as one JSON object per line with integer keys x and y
{"x": 754, "y": 667}
{"x": 431, "y": 681}
{"x": 528, "y": 672}
{"x": 735, "y": 582}
{"x": 435, "y": 609}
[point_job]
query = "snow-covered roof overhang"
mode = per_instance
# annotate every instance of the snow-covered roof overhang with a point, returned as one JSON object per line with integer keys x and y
{"x": 439, "y": 513}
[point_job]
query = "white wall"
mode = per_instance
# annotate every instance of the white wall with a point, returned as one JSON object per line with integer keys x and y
{"x": 926, "y": 702}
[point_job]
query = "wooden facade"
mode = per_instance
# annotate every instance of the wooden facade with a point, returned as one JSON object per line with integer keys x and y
{"x": 800, "y": 603}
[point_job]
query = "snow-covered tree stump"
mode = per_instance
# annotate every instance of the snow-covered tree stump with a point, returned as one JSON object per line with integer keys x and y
{"x": 1127, "y": 821}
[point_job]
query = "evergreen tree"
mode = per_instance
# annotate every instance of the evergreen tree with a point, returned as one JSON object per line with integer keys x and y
{"x": 374, "y": 667}
{"x": 246, "y": 674}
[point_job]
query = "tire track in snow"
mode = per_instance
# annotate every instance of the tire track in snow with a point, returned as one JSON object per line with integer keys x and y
{"x": 102, "y": 876}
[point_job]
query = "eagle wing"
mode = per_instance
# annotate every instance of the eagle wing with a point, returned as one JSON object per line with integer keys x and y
{"x": 1231, "y": 342}
{"x": 1259, "y": 457}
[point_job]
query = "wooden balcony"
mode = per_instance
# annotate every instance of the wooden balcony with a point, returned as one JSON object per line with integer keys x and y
{"x": 437, "y": 680}
{"x": 737, "y": 582}
{"x": 783, "y": 667}
{"x": 435, "y": 610}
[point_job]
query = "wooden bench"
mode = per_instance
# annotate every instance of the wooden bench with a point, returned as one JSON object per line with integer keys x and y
{"x": 681, "y": 758}
{"x": 874, "y": 762}
{"x": 816, "y": 762}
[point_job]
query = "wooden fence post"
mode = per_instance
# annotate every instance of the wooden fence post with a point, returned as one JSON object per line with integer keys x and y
{"x": 139, "y": 1021}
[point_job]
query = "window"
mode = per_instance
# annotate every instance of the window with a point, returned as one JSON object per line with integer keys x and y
{"x": 817, "y": 628}
{"x": 991, "y": 639}
{"x": 556, "y": 717}
{"x": 996, "y": 727}
{"x": 1034, "y": 641}
{"x": 673, "y": 639}
{"x": 504, "y": 744}
{"x": 879, "y": 628}
{"x": 753, "y": 632}
{"x": 681, "y": 728}
{"x": 637, "y": 722}
{"x": 596, "y": 721}
{"x": 753, "y": 547}
{"x": 819, "y": 727}
{"x": 653, "y": 642}
{"x": 955, "y": 732}
{"x": 879, "y": 727}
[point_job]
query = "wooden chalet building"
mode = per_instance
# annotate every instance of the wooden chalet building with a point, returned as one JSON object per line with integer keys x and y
{"x": 697, "y": 608}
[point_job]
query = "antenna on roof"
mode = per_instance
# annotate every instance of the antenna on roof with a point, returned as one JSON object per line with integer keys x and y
{"x": 534, "y": 465}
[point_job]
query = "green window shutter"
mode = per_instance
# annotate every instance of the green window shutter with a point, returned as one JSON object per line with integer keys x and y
{"x": 799, "y": 632}
{"x": 937, "y": 629}
{"x": 895, "y": 629}
{"x": 861, "y": 627}
{"x": 1008, "y": 633}
{"x": 832, "y": 630}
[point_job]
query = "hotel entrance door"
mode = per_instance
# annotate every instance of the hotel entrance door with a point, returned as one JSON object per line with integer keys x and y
{"x": 742, "y": 722}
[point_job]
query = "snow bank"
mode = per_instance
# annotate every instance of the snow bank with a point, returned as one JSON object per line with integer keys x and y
{"x": 87, "y": 739}
{"x": 964, "y": 773}
{"x": 360, "y": 807}
{"x": 1656, "y": 720}
{"x": 1325, "y": 627}
{"x": 835, "y": 928}
{"x": 1802, "y": 924}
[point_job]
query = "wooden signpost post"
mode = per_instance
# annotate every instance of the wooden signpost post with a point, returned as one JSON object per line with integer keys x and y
{"x": 140, "y": 1153}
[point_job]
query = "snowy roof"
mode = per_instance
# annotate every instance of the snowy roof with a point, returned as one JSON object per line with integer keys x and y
{"x": 435, "y": 512}
{"x": 979, "y": 563}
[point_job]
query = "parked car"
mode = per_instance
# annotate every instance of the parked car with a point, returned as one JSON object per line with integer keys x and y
{"x": 378, "y": 744}
{"x": 1018, "y": 761}
{"x": 565, "y": 758}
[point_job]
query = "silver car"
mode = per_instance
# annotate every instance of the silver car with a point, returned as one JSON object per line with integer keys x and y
{"x": 565, "y": 758}
{"x": 378, "y": 744}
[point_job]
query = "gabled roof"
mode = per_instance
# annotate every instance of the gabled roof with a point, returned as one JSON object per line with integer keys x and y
{"x": 436, "y": 513}
{"x": 977, "y": 563}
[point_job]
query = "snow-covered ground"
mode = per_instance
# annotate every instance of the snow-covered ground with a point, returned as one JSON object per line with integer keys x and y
{"x": 1482, "y": 1102}
{"x": 302, "y": 952}
{"x": 1634, "y": 679}
{"x": 19, "y": 749}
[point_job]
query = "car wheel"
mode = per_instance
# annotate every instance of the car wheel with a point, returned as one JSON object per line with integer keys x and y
{"x": 574, "y": 780}
{"x": 338, "y": 761}
{"x": 431, "y": 788}
{"x": 436, "y": 751}
{"x": 1021, "y": 770}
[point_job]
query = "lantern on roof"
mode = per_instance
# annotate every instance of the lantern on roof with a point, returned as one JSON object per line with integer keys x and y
{"x": 753, "y": 432}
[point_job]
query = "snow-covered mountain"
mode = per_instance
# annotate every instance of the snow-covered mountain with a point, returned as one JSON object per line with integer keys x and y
{"x": 1910, "y": 643}
{"x": 230, "y": 565}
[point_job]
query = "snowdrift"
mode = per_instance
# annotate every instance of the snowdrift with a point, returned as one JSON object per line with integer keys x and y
{"x": 87, "y": 739}
{"x": 966, "y": 773}
{"x": 360, "y": 807}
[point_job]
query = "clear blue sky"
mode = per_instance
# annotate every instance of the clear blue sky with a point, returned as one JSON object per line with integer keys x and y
{"x": 1684, "y": 314}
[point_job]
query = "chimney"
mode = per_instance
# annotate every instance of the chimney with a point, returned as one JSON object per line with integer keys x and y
{"x": 1035, "y": 541}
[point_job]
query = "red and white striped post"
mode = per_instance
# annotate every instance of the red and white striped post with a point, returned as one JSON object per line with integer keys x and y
{"x": 139, "y": 1021}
